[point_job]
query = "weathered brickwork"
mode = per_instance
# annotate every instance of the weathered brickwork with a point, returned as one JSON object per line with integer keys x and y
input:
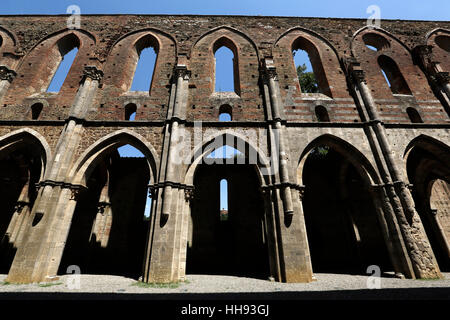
{"x": 389, "y": 140}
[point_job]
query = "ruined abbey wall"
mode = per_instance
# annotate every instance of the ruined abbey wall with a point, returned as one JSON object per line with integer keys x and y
{"x": 386, "y": 133}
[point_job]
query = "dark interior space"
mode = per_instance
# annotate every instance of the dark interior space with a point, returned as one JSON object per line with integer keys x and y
{"x": 20, "y": 168}
{"x": 108, "y": 229}
{"x": 235, "y": 245}
{"x": 343, "y": 229}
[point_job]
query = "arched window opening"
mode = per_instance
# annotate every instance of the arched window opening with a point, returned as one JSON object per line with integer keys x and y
{"x": 305, "y": 73}
{"x": 393, "y": 76}
{"x": 223, "y": 200}
{"x": 68, "y": 48}
{"x": 36, "y": 110}
{"x": 309, "y": 67}
{"x": 145, "y": 68}
{"x": 375, "y": 42}
{"x": 322, "y": 114}
{"x": 130, "y": 111}
{"x": 226, "y": 71}
{"x": 443, "y": 42}
{"x": 1, "y": 41}
{"x": 225, "y": 113}
{"x": 414, "y": 115}
{"x": 128, "y": 151}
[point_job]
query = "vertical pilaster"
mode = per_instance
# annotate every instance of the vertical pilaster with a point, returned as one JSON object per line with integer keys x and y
{"x": 44, "y": 240}
{"x": 167, "y": 237}
{"x": 417, "y": 245}
{"x": 290, "y": 260}
{"x": 439, "y": 80}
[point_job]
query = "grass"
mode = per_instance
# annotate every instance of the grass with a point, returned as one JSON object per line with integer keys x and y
{"x": 49, "y": 284}
{"x": 430, "y": 279}
{"x": 172, "y": 285}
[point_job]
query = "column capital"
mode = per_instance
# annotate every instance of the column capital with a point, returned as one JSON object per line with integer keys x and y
{"x": 354, "y": 70}
{"x": 441, "y": 78}
{"x": 182, "y": 71}
{"x": 102, "y": 205}
{"x": 93, "y": 73}
{"x": 20, "y": 205}
{"x": 268, "y": 70}
{"x": 424, "y": 55}
{"x": 189, "y": 194}
{"x": 7, "y": 74}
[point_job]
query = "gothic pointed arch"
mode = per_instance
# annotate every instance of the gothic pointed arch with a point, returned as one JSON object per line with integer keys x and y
{"x": 23, "y": 161}
{"x": 41, "y": 62}
{"x": 322, "y": 56}
{"x": 387, "y": 60}
{"x": 428, "y": 171}
{"x": 104, "y": 146}
{"x": 439, "y": 39}
{"x": 245, "y": 60}
{"x": 361, "y": 163}
{"x": 338, "y": 183}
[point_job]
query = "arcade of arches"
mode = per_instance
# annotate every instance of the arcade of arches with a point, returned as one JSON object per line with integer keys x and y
{"x": 352, "y": 173}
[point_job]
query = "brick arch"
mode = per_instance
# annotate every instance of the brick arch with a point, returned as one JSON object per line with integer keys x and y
{"x": 246, "y": 61}
{"x": 154, "y": 32}
{"x": 380, "y": 31}
{"x": 439, "y": 54}
{"x": 95, "y": 153}
{"x": 126, "y": 66}
{"x": 121, "y": 63}
{"x": 428, "y": 171}
{"x": 233, "y": 31}
{"x": 393, "y": 49}
{"x": 83, "y": 35}
{"x": 8, "y": 41}
{"x": 324, "y": 59}
{"x": 348, "y": 151}
{"x": 438, "y": 149}
{"x": 37, "y": 68}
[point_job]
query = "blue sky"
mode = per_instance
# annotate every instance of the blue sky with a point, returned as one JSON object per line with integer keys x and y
{"x": 390, "y": 9}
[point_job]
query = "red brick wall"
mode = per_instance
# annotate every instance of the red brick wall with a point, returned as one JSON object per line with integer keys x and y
{"x": 28, "y": 47}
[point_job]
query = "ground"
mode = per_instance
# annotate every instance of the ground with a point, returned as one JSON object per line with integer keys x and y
{"x": 327, "y": 286}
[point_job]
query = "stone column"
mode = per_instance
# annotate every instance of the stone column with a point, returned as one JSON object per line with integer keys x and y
{"x": 166, "y": 243}
{"x": 419, "y": 249}
{"x": 270, "y": 77}
{"x": 440, "y": 80}
{"x": 288, "y": 244}
{"x": 6, "y": 77}
{"x": 43, "y": 244}
{"x": 181, "y": 74}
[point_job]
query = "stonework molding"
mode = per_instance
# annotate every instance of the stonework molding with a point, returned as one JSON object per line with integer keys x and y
{"x": 441, "y": 78}
{"x": 93, "y": 73}
{"x": 182, "y": 71}
{"x": 7, "y": 74}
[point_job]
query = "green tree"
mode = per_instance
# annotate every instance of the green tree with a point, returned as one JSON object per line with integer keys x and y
{"x": 308, "y": 82}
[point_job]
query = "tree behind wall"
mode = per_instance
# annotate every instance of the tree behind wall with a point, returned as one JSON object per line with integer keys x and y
{"x": 308, "y": 82}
